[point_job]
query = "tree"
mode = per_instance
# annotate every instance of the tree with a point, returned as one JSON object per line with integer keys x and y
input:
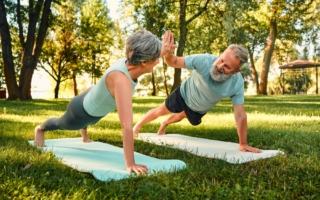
{"x": 151, "y": 15}
{"x": 167, "y": 14}
{"x": 286, "y": 19}
{"x": 31, "y": 42}
{"x": 187, "y": 13}
{"x": 59, "y": 52}
{"x": 70, "y": 51}
{"x": 98, "y": 30}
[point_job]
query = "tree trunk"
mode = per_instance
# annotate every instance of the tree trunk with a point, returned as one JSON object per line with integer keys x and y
{"x": 182, "y": 41}
{"x": 165, "y": 78}
{"x": 33, "y": 48}
{"x": 56, "y": 89}
{"x": 153, "y": 84}
{"x": 8, "y": 65}
{"x": 254, "y": 72}
{"x": 183, "y": 35}
{"x": 26, "y": 78}
{"x": 75, "y": 84}
{"x": 267, "y": 58}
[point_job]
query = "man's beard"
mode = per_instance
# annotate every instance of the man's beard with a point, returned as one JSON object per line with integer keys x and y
{"x": 215, "y": 75}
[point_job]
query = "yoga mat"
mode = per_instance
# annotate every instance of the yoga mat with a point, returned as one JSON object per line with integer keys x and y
{"x": 227, "y": 151}
{"x": 104, "y": 161}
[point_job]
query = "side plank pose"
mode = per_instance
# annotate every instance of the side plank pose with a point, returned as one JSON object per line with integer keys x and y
{"x": 213, "y": 78}
{"x": 113, "y": 91}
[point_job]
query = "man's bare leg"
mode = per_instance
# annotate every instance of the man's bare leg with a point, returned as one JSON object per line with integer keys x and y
{"x": 84, "y": 134}
{"x": 173, "y": 118}
{"x": 150, "y": 116}
{"x": 39, "y": 137}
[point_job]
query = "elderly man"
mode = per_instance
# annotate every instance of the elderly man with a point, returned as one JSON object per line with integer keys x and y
{"x": 213, "y": 78}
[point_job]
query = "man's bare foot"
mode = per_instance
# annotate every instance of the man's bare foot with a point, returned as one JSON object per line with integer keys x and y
{"x": 135, "y": 131}
{"x": 162, "y": 129}
{"x": 39, "y": 137}
{"x": 84, "y": 134}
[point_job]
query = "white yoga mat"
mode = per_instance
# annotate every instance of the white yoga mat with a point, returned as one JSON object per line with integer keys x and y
{"x": 104, "y": 161}
{"x": 227, "y": 151}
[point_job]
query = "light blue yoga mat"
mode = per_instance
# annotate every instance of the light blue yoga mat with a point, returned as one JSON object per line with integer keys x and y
{"x": 104, "y": 161}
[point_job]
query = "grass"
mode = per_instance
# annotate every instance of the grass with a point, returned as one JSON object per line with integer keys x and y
{"x": 287, "y": 123}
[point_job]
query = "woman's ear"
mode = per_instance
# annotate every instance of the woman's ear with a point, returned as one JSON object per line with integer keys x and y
{"x": 143, "y": 63}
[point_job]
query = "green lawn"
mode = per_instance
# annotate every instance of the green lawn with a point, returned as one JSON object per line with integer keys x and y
{"x": 288, "y": 123}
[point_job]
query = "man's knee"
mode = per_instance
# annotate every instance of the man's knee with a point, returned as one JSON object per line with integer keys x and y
{"x": 162, "y": 110}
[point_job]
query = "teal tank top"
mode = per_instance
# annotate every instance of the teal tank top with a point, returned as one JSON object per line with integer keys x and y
{"x": 99, "y": 102}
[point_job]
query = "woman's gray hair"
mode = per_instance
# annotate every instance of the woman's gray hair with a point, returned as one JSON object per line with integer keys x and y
{"x": 239, "y": 52}
{"x": 142, "y": 46}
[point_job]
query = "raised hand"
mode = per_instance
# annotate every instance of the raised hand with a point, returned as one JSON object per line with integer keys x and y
{"x": 168, "y": 45}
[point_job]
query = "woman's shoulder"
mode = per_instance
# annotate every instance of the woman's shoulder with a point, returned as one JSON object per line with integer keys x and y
{"x": 119, "y": 63}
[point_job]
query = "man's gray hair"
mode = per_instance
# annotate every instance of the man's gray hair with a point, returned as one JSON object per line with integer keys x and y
{"x": 239, "y": 52}
{"x": 142, "y": 46}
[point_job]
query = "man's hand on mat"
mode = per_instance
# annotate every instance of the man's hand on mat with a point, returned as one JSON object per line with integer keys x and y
{"x": 138, "y": 169}
{"x": 135, "y": 131}
{"x": 245, "y": 148}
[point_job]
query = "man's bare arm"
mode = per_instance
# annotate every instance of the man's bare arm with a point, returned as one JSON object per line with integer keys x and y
{"x": 240, "y": 117}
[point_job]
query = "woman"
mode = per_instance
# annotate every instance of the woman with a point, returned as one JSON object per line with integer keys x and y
{"x": 113, "y": 91}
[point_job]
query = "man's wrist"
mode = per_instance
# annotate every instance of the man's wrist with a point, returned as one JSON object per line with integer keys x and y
{"x": 169, "y": 54}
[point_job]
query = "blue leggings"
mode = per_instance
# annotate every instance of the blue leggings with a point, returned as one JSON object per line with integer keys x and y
{"x": 74, "y": 118}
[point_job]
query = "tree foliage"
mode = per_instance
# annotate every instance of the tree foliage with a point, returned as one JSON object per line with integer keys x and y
{"x": 85, "y": 40}
{"x": 78, "y": 43}
{"x": 174, "y": 15}
{"x": 98, "y": 30}
{"x": 60, "y": 49}
{"x": 286, "y": 20}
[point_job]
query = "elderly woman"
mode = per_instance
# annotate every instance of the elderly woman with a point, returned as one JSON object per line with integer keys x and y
{"x": 113, "y": 91}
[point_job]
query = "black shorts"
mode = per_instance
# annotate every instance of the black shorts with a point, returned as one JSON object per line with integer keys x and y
{"x": 176, "y": 104}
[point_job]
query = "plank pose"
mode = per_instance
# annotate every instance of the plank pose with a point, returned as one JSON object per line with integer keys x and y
{"x": 113, "y": 91}
{"x": 213, "y": 78}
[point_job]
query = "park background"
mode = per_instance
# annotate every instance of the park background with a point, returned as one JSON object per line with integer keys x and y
{"x": 83, "y": 38}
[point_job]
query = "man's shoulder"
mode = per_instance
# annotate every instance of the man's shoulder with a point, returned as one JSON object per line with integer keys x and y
{"x": 199, "y": 60}
{"x": 238, "y": 78}
{"x": 237, "y": 81}
{"x": 203, "y": 56}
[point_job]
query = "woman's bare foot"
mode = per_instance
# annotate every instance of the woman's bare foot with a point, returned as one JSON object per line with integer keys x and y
{"x": 85, "y": 137}
{"x": 39, "y": 137}
{"x": 162, "y": 129}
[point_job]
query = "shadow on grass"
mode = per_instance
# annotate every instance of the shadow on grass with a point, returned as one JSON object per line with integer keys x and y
{"x": 32, "y": 106}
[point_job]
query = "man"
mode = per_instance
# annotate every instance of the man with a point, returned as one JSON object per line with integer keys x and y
{"x": 213, "y": 78}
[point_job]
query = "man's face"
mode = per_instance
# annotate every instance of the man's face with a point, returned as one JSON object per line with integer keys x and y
{"x": 225, "y": 66}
